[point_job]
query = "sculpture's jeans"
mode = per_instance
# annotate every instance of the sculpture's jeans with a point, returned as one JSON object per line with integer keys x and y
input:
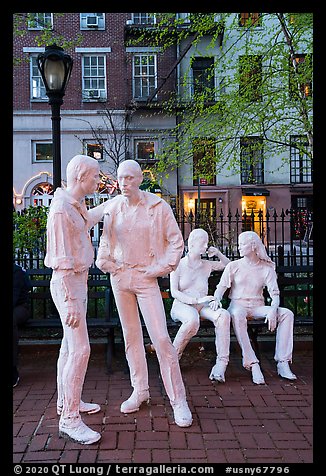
{"x": 241, "y": 309}
{"x": 129, "y": 287}
{"x": 74, "y": 351}
{"x": 189, "y": 316}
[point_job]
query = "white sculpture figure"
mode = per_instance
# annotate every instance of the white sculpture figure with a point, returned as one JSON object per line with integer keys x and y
{"x": 70, "y": 253}
{"x": 246, "y": 278}
{"x": 189, "y": 287}
{"x": 140, "y": 242}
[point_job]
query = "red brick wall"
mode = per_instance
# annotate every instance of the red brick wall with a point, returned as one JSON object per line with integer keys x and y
{"x": 118, "y": 62}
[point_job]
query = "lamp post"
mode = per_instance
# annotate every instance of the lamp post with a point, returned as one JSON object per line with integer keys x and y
{"x": 55, "y": 67}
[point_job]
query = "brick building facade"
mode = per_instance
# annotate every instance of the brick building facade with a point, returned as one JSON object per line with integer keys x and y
{"x": 107, "y": 53}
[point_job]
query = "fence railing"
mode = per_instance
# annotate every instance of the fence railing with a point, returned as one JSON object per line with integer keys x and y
{"x": 286, "y": 230}
{"x": 276, "y": 229}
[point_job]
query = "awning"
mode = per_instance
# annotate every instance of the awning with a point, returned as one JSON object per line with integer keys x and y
{"x": 258, "y": 192}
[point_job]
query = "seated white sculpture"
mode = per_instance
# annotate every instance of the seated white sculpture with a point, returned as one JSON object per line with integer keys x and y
{"x": 189, "y": 287}
{"x": 246, "y": 278}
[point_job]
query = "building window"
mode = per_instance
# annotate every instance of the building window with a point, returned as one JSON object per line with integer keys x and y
{"x": 251, "y": 76}
{"x": 204, "y": 163}
{"x": 36, "y": 81}
{"x": 300, "y": 161}
{"x": 95, "y": 150}
{"x": 143, "y": 18}
{"x": 249, "y": 19}
{"x": 203, "y": 77}
{"x": 94, "y": 78}
{"x": 207, "y": 210}
{"x": 302, "y": 217}
{"x": 40, "y": 21}
{"x": 251, "y": 160}
{"x": 144, "y": 76}
{"x": 42, "y": 152}
{"x": 92, "y": 21}
{"x": 300, "y": 79}
{"x": 145, "y": 150}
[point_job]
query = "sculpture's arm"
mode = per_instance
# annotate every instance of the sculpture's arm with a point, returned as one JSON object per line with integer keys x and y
{"x": 176, "y": 293}
{"x": 223, "y": 260}
{"x": 174, "y": 246}
{"x": 104, "y": 261}
{"x": 60, "y": 236}
{"x": 71, "y": 282}
{"x": 60, "y": 242}
{"x": 223, "y": 285}
{"x": 182, "y": 296}
{"x": 95, "y": 214}
{"x": 274, "y": 293}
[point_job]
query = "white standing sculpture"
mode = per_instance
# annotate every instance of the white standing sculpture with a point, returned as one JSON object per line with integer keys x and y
{"x": 189, "y": 287}
{"x": 246, "y": 278}
{"x": 140, "y": 242}
{"x": 70, "y": 254}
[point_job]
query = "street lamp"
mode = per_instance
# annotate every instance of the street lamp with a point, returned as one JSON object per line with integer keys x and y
{"x": 55, "y": 67}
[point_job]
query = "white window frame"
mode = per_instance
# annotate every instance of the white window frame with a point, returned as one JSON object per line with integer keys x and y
{"x": 184, "y": 17}
{"x": 141, "y": 76}
{"x": 139, "y": 140}
{"x": 102, "y": 92}
{"x": 40, "y": 27}
{"x": 149, "y": 17}
{"x": 34, "y": 146}
{"x": 37, "y": 78}
{"x": 100, "y": 21}
{"x": 87, "y": 142}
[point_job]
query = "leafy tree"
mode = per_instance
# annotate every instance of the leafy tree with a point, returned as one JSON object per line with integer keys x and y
{"x": 264, "y": 85}
{"x": 113, "y": 136}
{"x": 30, "y": 230}
{"x": 47, "y": 35}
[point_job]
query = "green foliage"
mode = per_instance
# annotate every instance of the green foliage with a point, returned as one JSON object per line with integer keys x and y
{"x": 30, "y": 229}
{"x": 45, "y": 37}
{"x": 253, "y": 95}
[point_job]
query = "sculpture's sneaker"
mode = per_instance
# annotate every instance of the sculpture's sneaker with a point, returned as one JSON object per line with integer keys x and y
{"x": 283, "y": 369}
{"x": 218, "y": 371}
{"x": 134, "y": 401}
{"x": 84, "y": 407}
{"x": 182, "y": 414}
{"x": 80, "y": 434}
{"x": 257, "y": 376}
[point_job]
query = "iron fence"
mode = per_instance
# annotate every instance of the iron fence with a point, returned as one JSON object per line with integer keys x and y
{"x": 279, "y": 231}
{"x": 291, "y": 252}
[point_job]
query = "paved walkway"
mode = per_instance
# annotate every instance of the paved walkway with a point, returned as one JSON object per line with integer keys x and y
{"x": 235, "y": 422}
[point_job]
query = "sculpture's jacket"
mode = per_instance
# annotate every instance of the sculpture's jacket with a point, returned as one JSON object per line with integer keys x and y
{"x": 166, "y": 242}
{"x": 69, "y": 245}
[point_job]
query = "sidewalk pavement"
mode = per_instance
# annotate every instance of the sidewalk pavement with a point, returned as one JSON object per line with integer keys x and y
{"x": 235, "y": 422}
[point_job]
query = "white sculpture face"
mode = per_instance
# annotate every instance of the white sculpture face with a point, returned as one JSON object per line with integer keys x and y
{"x": 245, "y": 246}
{"x": 129, "y": 180}
{"x": 90, "y": 180}
{"x": 198, "y": 245}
